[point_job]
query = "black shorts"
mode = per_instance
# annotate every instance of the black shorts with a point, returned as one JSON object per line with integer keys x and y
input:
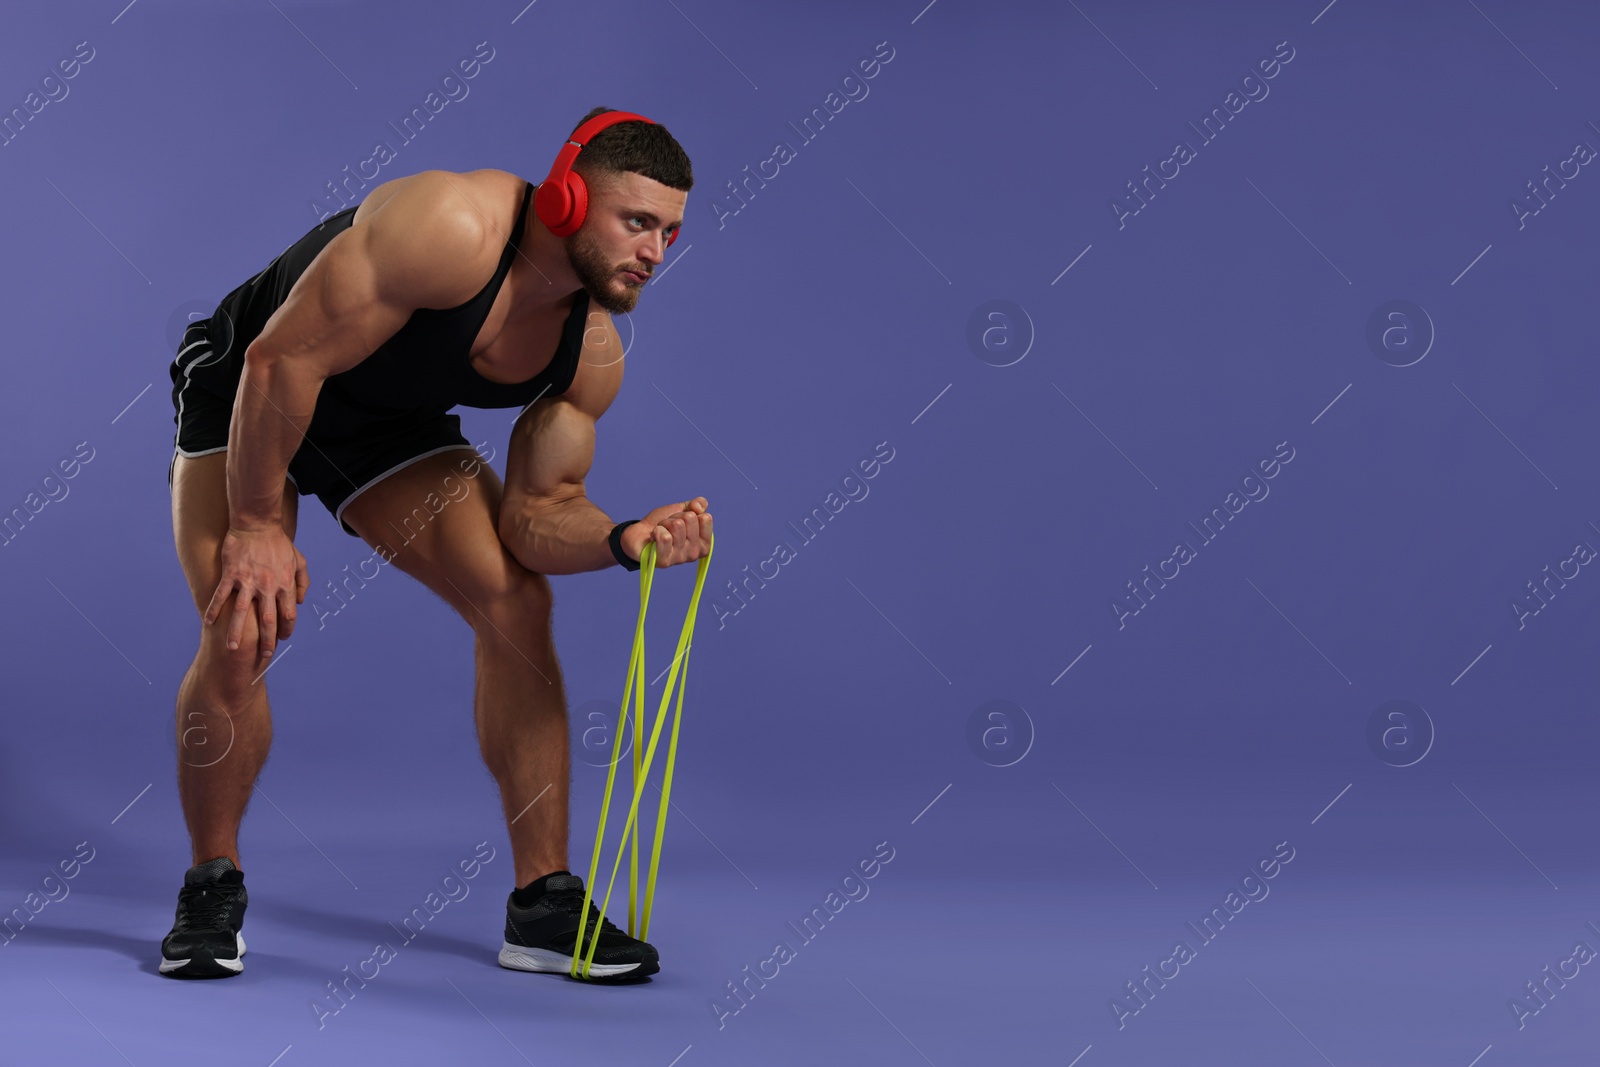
{"x": 335, "y": 469}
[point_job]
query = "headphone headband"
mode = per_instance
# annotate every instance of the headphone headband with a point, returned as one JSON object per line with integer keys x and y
{"x": 585, "y": 132}
{"x": 562, "y": 199}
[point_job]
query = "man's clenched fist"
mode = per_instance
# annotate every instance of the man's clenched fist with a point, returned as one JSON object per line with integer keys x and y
{"x": 681, "y": 532}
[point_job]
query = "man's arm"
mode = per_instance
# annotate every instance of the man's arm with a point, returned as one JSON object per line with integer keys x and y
{"x": 546, "y": 521}
{"x": 356, "y": 294}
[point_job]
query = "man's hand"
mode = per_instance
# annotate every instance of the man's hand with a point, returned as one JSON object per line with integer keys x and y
{"x": 267, "y": 570}
{"x": 681, "y": 532}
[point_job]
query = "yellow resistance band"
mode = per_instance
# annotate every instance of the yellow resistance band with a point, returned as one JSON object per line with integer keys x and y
{"x": 647, "y": 567}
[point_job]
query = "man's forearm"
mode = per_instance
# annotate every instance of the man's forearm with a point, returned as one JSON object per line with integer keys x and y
{"x": 271, "y": 412}
{"x": 560, "y": 537}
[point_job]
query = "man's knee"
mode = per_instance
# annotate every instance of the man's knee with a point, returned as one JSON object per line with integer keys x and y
{"x": 234, "y": 669}
{"x": 517, "y": 598}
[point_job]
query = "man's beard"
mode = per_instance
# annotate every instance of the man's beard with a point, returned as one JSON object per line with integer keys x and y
{"x": 598, "y": 276}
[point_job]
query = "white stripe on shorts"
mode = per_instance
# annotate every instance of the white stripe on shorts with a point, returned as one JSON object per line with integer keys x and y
{"x": 338, "y": 515}
{"x": 224, "y": 448}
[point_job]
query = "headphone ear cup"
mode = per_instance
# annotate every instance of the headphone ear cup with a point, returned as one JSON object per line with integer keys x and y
{"x": 673, "y": 238}
{"x": 578, "y": 197}
{"x": 562, "y": 209}
{"x": 552, "y": 203}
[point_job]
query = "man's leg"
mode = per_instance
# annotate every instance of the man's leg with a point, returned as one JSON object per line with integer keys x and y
{"x": 520, "y": 704}
{"x": 224, "y": 724}
{"x": 521, "y": 711}
{"x": 521, "y": 707}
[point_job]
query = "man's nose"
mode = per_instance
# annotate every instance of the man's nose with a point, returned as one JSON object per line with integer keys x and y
{"x": 654, "y": 251}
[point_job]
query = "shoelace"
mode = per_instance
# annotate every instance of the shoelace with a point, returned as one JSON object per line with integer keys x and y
{"x": 570, "y": 901}
{"x": 204, "y": 907}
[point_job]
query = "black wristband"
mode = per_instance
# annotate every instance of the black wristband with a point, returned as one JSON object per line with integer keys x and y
{"x": 615, "y": 541}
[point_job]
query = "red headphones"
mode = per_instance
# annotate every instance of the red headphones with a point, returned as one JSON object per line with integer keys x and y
{"x": 562, "y": 199}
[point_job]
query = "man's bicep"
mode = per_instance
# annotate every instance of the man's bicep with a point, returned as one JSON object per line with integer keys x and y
{"x": 552, "y": 449}
{"x": 552, "y": 442}
{"x": 336, "y": 313}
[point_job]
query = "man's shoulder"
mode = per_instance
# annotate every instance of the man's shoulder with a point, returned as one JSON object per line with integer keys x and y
{"x": 485, "y": 181}
{"x": 443, "y": 228}
{"x": 470, "y": 203}
{"x": 487, "y": 194}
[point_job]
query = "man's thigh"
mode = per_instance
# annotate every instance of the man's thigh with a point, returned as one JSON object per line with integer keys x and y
{"x": 200, "y": 521}
{"x": 437, "y": 519}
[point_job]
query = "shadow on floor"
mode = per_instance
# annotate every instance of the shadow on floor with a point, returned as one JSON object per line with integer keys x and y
{"x": 366, "y": 932}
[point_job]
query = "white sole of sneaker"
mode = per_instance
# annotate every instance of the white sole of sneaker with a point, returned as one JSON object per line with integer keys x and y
{"x": 233, "y": 966}
{"x": 522, "y": 958}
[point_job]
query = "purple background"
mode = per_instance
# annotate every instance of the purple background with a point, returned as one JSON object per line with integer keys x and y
{"x": 844, "y": 704}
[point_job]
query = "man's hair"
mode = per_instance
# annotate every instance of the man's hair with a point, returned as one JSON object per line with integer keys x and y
{"x": 642, "y": 147}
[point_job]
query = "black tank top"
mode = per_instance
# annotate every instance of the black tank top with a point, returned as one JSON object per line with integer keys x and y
{"x": 424, "y": 367}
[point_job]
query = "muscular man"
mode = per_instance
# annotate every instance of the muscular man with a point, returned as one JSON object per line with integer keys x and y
{"x": 332, "y": 373}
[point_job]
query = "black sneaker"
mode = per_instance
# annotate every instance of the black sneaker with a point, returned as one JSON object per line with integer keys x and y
{"x": 205, "y": 940}
{"x": 541, "y": 936}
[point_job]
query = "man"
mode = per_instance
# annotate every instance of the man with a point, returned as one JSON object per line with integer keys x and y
{"x": 332, "y": 372}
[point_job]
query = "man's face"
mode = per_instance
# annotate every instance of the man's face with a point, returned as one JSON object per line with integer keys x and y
{"x": 623, "y": 237}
